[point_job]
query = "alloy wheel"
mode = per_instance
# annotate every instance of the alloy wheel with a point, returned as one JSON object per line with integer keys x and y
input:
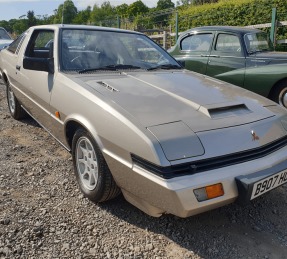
{"x": 87, "y": 164}
{"x": 11, "y": 100}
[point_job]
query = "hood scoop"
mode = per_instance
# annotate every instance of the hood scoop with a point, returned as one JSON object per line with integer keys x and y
{"x": 225, "y": 110}
{"x": 107, "y": 86}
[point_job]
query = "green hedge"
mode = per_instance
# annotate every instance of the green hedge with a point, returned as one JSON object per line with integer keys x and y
{"x": 234, "y": 13}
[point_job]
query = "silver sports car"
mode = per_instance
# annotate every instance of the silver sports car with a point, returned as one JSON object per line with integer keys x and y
{"x": 171, "y": 140}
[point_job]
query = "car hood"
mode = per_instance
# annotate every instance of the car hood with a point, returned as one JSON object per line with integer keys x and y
{"x": 200, "y": 102}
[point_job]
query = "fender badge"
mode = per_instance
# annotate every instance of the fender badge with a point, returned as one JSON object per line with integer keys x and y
{"x": 254, "y": 136}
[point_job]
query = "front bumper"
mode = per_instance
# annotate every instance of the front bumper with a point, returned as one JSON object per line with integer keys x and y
{"x": 155, "y": 195}
{"x": 249, "y": 189}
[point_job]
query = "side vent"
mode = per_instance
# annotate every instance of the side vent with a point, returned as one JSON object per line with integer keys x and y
{"x": 107, "y": 86}
{"x": 224, "y": 110}
{"x": 235, "y": 110}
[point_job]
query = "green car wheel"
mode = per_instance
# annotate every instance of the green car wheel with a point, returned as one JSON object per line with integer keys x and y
{"x": 280, "y": 93}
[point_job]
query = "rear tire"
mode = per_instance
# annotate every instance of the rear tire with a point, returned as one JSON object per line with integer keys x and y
{"x": 279, "y": 95}
{"x": 93, "y": 175}
{"x": 16, "y": 111}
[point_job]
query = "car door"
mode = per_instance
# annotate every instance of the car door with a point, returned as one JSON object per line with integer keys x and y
{"x": 36, "y": 85}
{"x": 194, "y": 51}
{"x": 227, "y": 59}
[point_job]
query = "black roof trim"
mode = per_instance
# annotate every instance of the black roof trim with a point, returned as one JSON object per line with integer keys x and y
{"x": 235, "y": 29}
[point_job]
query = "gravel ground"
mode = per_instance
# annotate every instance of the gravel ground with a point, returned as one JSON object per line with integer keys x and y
{"x": 44, "y": 215}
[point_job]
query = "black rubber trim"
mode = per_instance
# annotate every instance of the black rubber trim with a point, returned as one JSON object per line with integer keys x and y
{"x": 245, "y": 183}
{"x": 198, "y": 166}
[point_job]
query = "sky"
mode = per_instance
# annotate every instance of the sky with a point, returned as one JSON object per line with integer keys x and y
{"x": 13, "y": 9}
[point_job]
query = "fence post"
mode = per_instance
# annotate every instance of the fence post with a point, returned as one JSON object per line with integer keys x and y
{"x": 119, "y": 22}
{"x": 164, "y": 40}
{"x": 273, "y": 27}
{"x": 176, "y": 26}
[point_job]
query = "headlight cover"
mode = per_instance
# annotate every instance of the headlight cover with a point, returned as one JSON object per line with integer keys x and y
{"x": 177, "y": 140}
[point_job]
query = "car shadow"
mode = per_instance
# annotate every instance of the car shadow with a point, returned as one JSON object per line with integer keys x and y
{"x": 233, "y": 231}
{"x": 28, "y": 120}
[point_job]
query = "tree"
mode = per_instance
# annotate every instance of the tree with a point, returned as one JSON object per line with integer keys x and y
{"x": 83, "y": 17}
{"x": 164, "y": 4}
{"x": 195, "y": 2}
{"x": 104, "y": 15}
{"x": 32, "y": 21}
{"x": 121, "y": 10}
{"x": 66, "y": 12}
{"x": 162, "y": 19}
{"x": 6, "y": 25}
{"x": 45, "y": 19}
{"x": 20, "y": 26}
{"x": 137, "y": 8}
{"x": 107, "y": 9}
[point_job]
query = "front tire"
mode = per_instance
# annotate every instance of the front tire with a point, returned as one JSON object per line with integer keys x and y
{"x": 279, "y": 95}
{"x": 16, "y": 111}
{"x": 93, "y": 175}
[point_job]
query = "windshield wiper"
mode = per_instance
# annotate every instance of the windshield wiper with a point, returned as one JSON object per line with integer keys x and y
{"x": 166, "y": 66}
{"x": 122, "y": 66}
{"x": 96, "y": 69}
{"x": 110, "y": 68}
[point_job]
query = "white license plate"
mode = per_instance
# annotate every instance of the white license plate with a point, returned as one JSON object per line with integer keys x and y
{"x": 268, "y": 184}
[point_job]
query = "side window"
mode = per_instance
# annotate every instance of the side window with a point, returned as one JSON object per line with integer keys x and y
{"x": 41, "y": 44}
{"x": 227, "y": 43}
{"x": 16, "y": 44}
{"x": 197, "y": 42}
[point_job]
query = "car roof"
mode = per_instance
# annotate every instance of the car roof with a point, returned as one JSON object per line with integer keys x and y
{"x": 240, "y": 30}
{"x": 86, "y": 27}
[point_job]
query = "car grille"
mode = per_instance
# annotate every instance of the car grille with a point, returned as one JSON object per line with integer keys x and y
{"x": 211, "y": 163}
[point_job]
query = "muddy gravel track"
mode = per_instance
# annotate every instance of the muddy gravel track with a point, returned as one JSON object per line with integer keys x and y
{"x": 44, "y": 215}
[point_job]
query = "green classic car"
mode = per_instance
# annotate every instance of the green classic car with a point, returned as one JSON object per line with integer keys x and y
{"x": 241, "y": 56}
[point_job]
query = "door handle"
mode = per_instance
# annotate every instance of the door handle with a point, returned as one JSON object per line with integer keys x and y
{"x": 214, "y": 56}
{"x": 18, "y": 67}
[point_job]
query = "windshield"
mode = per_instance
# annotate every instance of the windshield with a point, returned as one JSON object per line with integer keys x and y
{"x": 88, "y": 50}
{"x": 257, "y": 42}
{"x": 4, "y": 35}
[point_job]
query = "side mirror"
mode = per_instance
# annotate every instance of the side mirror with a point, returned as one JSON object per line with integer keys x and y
{"x": 39, "y": 64}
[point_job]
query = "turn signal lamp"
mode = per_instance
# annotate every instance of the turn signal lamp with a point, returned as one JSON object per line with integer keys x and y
{"x": 209, "y": 192}
{"x": 57, "y": 114}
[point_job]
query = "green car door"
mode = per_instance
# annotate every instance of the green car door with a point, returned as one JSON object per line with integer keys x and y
{"x": 193, "y": 51}
{"x": 227, "y": 59}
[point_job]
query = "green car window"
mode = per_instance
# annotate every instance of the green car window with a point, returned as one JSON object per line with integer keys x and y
{"x": 197, "y": 42}
{"x": 227, "y": 43}
{"x": 256, "y": 42}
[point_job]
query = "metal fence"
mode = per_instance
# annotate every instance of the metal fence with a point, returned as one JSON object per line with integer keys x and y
{"x": 165, "y": 26}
